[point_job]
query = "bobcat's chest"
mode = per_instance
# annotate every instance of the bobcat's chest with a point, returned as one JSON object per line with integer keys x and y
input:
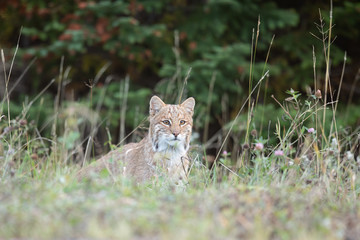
{"x": 170, "y": 164}
{"x": 167, "y": 159}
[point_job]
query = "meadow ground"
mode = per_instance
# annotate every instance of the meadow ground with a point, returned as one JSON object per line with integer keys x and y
{"x": 49, "y": 203}
{"x": 300, "y": 183}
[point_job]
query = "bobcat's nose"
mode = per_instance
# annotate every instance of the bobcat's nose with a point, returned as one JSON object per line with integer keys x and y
{"x": 176, "y": 134}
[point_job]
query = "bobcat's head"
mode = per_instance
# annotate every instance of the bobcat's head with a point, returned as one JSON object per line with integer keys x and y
{"x": 171, "y": 125}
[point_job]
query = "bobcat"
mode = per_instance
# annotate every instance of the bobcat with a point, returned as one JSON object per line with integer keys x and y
{"x": 162, "y": 151}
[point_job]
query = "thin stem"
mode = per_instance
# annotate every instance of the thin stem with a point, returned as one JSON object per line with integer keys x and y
{"x": 266, "y": 86}
{"x": 184, "y": 84}
{"x": 327, "y": 74}
{"x": 123, "y": 107}
{"x": 236, "y": 117}
{"x": 208, "y": 107}
{"x": 250, "y": 85}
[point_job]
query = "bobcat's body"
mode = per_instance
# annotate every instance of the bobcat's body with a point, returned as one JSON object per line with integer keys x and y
{"x": 163, "y": 152}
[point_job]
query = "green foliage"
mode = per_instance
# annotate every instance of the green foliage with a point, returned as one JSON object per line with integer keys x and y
{"x": 69, "y": 140}
{"x": 113, "y": 101}
{"x": 213, "y": 38}
{"x": 34, "y": 111}
{"x": 220, "y": 44}
{"x": 349, "y": 10}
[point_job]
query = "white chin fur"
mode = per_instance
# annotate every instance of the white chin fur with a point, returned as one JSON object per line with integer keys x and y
{"x": 167, "y": 143}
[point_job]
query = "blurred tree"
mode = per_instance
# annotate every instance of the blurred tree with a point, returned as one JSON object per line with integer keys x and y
{"x": 156, "y": 43}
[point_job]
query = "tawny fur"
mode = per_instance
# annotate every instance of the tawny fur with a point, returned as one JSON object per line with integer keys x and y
{"x": 163, "y": 152}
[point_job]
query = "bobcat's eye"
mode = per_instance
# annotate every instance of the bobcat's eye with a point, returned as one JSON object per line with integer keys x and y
{"x": 182, "y": 122}
{"x": 166, "y": 122}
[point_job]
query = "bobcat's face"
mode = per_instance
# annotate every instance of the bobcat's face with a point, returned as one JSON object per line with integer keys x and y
{"x": 171, "y": 125}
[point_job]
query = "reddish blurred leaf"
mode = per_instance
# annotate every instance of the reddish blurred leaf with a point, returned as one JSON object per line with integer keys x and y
{"x": 192, "y": 45}
{"x": 65, "y": 37}
{"x": 74, "y": 26}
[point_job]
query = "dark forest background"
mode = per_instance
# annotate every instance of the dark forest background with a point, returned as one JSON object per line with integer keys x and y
{"x": 106, "y": 58}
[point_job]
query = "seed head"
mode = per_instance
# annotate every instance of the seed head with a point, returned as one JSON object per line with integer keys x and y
{"x": 254, "y": 133}
{"x": 23, "y": 122}
{"x": 34, "y": 156}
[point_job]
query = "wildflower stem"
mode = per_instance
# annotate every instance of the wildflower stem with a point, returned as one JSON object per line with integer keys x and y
{"x": 327, "y": 77}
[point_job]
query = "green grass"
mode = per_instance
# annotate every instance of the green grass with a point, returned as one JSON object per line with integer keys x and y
{"x": 57, "y": 207}
{"x": 310, "y": 190}
{"x": 267, "y": 198}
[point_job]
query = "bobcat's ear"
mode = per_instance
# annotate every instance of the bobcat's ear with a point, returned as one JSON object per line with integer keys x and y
{"x": 155, "y": 105}
{"x": 189, "y": 105}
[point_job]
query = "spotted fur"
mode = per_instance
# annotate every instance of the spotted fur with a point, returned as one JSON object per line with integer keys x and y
{"x": 162, "y": 152}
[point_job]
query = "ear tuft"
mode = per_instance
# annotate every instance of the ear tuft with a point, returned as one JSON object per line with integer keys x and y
{"x": 189, "y": 105}
{"x": 155, "y": 105}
